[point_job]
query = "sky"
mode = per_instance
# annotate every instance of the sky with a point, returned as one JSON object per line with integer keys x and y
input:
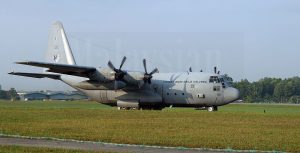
{"x": 247, "y": 39}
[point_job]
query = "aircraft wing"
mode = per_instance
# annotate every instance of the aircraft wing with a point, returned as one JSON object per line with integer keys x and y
{"x": 37, "y": 75}
{"x": 82, "y": 71}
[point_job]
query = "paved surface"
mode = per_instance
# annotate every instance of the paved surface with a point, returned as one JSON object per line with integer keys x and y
{"x": 95, "y": 146}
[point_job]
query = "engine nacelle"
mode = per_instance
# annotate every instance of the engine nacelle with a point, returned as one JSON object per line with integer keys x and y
{"x": 134, "y": 78}
{"x": 102, "y": 75}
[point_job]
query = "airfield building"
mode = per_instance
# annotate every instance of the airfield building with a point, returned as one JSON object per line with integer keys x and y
{"x": 67, "y": 96}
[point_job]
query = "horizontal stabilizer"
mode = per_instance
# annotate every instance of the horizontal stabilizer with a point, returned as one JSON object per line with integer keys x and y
{"x": 37, "y": 75}
{"x": 83, "y": 71}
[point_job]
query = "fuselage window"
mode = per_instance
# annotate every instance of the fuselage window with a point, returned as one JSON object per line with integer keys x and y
{"x": 182, "y": 93}
{"x": 175, "y": 93}
{"x": 201, "y": 96}
{"x": 167, "y": 93}
{"x": 223, "y": 82}
{"x": 217, "y": 88}
{"x": 214, "y": 79}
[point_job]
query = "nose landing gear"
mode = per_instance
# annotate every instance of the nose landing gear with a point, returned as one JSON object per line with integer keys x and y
{"x": 212, "y": 108}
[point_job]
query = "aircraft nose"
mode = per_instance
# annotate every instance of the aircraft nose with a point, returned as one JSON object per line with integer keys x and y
{"x": 231, "y": 94}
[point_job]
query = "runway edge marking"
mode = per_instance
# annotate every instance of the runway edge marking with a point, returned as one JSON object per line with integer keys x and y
{"x": 134, "y": 145}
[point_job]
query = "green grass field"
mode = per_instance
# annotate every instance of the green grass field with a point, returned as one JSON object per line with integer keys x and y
{"x": 235, "y": 126}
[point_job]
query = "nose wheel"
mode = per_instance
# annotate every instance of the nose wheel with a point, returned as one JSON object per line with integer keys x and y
{"x": 212, "y": 108}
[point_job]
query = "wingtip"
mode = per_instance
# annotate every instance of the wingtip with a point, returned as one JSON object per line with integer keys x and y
{"x": 23, "y": 62}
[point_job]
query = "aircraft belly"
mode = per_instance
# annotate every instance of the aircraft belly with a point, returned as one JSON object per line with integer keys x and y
{"x": 143, "y": 96}
{"x": 97, "y": 95}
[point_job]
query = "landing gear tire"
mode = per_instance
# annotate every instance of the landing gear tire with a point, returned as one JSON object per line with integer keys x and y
{"x": 212, "y": 108}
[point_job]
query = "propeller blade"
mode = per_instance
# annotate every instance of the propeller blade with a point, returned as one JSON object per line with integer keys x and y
{"x": 111, "y": 66}
{"x": 119, "y": 74}
{"x": 218, "y": 72}
{"x": 148, "y": 76}
{"x": 215, "y": 69}
{"x": 154, "y": 71}
{"x": 145, "y": 66}
{"x": 201, "y": 70}
{"x": 190, "y": 69}
{"x": 123, "y": 61}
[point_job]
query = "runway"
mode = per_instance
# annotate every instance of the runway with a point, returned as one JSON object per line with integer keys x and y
{"x": 96, "y": 146}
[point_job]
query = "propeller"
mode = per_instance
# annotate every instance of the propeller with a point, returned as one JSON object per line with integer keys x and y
{"x": 148, "y": 76}
{"x": 119, "y": 73}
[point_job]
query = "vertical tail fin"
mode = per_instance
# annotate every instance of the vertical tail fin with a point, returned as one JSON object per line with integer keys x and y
{"x": 59, "y": 50}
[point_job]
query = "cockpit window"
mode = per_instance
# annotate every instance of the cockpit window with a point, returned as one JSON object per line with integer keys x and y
{"x": 214, "y": 79}
{"x": 225, "y": 82}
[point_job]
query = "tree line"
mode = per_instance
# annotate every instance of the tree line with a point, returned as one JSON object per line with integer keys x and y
{"x": 10, "y": 94}
{"x": 269, "y": 90}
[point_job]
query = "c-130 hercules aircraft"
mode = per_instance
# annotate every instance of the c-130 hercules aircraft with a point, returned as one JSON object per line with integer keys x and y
{"x": 131, "y": 89}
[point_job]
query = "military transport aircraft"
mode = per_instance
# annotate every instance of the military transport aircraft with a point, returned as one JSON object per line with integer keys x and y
{"x": 132, "y": 89}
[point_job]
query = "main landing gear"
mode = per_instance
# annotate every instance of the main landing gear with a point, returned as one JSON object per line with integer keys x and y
{"x": 140, "y": 108}
{"x": 212, "y": 108}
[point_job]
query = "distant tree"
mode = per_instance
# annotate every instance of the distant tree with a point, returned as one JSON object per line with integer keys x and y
{"x": 294, "y": 99}
{"x": 243, "y": 86}
{"x": 268, "y": 86}
{"x": 228, "y": 78}
{"x": 3, "y": 94}
{"x": 270, "y": 90}
{"x": 12, "y": 93}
